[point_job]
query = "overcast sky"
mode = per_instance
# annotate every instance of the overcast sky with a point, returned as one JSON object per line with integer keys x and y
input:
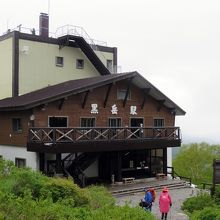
{"x": 174, "y": 44}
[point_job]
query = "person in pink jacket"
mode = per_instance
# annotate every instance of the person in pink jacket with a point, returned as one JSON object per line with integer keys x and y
{"x": 165, "y": 203}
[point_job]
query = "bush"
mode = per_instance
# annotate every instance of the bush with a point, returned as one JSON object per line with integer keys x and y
{"x": 63, "y": 189}
{"x": 209, "y": 213}
{"x": 198, "y": 203}
{"x": 100, "y": 197}
{"x": 120, "y": 213}
{"x": 25, "y": 195}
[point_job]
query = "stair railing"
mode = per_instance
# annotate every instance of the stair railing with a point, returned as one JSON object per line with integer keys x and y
{"x": 79, "y": 31}
{"x": 174, "y": 174}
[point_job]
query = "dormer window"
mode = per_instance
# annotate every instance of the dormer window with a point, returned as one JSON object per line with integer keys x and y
{"x": 121, "y": 93}
{"x": 80, "y": 64}
{"x": 59, "y": 61}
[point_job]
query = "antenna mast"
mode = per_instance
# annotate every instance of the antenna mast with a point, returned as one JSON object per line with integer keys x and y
{"x": 48, "y": 5}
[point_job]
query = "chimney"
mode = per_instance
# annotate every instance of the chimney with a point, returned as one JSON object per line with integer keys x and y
{"x": 44, "y": 25}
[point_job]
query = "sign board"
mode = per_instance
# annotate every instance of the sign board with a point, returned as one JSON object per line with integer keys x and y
{"x": 216, "y": 171}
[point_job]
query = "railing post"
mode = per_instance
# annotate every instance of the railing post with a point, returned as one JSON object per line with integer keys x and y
{"x": 54, "y": 136}
{"x": 172, "y": 170}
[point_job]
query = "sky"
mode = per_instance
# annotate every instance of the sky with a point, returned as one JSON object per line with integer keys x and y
{"x": 174, "y": 44}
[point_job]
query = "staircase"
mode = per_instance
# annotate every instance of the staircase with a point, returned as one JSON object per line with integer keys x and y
{"x": 138, "y": 186}
{"x": 75, "y": 166}
{"x": 88, "y": 49}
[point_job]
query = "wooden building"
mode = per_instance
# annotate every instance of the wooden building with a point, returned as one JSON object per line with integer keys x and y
{"x": 93, "y": 125}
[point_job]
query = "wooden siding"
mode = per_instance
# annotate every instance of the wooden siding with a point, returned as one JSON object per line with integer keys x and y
{"x": 72, "y": 108}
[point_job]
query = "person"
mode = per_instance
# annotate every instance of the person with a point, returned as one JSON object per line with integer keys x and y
{"x": 146, "y": 203}
{"x": 153, "y": 193}
{"x": 165, "y": 203}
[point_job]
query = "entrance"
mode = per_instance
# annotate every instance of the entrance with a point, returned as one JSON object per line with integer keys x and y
{"x": 136, "y": 164}
{"x": 136, "y": 122}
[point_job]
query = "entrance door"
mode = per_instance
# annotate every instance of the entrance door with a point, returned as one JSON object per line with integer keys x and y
{"x": 136, "y": 163}
{"x": 136, "y": 122}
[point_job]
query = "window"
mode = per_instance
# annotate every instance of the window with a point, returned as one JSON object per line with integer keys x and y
{"x": 121, "y": 93}
{"x": 16, "y": 125}
{"x": 87, "y": 122}
{"x": 20, "y": 162}
{"x": 110, "y": 65}
{"x": 158, "y": 122}
{"x": 80, "y": 64}
{"x": 58, "y": 122}
{"x": 59, "y": 61}
{"x": 114, "y": 122}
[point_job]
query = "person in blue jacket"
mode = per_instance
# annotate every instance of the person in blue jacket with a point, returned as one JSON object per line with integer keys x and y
{"x": 148, "y": 198}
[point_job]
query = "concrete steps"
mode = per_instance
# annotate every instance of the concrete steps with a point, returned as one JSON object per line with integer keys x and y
{"x": 139, "y": 186}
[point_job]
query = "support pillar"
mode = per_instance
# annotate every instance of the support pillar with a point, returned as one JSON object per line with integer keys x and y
{"x": 118, "y": 171}
{"x": 58, "y": 164}
{"x": 165, "y": 161}
{"x": 42, "y": 162}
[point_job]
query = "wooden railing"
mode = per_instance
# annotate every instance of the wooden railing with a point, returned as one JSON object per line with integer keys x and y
{"x": 77, "y": 134}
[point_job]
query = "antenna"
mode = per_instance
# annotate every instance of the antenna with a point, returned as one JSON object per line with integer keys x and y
{"x": 48, "y": 5}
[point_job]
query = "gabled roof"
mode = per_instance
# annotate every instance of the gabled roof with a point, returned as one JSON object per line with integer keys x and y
{"x": 63, "y": 90}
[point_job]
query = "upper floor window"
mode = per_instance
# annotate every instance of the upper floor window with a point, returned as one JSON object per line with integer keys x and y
{"x": 57, "y": 121}
{"x": 114, "y": 122}
{"x": 121, "y": 93}
{"x": 80, "y": 64}
{"x": 87, "y": 122}
{"x": 59, "y": 61}
{"x": 20, "y": 162}
{"x": 16, "y": 125}
{"x": 110, "y": 65}
{"x": 158, "y": 122}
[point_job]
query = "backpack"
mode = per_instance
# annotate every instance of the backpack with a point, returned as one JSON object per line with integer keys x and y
{"x": 153, "y": 193}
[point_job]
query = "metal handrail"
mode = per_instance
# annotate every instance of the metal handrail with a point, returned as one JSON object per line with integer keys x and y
{"x": 175, "y": 174}
{"x": 79, "y": 31}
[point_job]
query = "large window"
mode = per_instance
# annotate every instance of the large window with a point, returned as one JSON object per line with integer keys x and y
{"x": 57, "y": 121}
{"x": 20, "y": 162}
{"x": 158, "y": 122}
{"x": 121, "y": 93}
{"x": 114, "y": 122}
{"x": 16, "y": 125}
{"x": 87, "y": 122}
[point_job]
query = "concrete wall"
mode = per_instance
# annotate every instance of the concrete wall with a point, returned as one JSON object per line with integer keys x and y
{"x": 12, "y": 152}
{"x": 6, "y": 68}
{"x": 37, "y": 67}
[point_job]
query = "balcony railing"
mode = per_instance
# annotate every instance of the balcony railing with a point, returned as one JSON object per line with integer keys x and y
{"x": 82, "y": 134}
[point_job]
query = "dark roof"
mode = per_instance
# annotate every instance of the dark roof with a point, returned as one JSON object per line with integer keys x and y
{"x": 62, "y": 90}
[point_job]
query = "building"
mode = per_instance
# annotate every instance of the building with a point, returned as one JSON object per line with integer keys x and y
{"x": 65, "y": 109}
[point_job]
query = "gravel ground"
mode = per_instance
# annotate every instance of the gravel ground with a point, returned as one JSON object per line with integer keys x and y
{"x": 177, "y": 196}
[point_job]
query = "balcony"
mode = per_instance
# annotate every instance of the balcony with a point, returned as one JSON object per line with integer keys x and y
{"x": 78, "y": 139}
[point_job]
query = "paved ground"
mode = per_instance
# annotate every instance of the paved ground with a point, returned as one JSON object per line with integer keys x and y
{"x": 177, "y": 195}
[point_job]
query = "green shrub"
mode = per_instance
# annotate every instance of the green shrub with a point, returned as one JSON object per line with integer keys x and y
{"x": 100, "y": 197}
{"x": 198, "y": 203}
{"x": 29, "y": 195}
{"x": 63, "y": 189}
{"x": 120, "y": 213}
{"x": 208, "y": 213}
